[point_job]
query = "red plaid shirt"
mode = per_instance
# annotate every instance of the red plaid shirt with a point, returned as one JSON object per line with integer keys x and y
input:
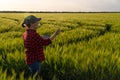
{"x": 33, "y": 44}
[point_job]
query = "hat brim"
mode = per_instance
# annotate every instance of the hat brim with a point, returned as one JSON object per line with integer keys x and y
{"x": 38, "y": 19}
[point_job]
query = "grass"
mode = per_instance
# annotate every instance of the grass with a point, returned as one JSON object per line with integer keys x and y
{"x": 86, "y": 49}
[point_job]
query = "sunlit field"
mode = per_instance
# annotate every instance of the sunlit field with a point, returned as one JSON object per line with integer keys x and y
{"x": 88, "y": 47}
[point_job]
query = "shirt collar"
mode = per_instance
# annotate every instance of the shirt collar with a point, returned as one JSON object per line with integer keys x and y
{"x": 31, "y": 30}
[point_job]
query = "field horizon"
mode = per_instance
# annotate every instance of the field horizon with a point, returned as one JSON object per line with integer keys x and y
{"x": 59, "y": 11}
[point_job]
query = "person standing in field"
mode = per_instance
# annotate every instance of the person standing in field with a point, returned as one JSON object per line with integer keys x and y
{"x": 34, "y": 43}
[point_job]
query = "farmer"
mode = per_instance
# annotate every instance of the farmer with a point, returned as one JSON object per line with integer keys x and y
{"x": 34, "y": 43}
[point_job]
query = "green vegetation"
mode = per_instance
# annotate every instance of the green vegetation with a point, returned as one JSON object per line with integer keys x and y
{"x": 86, "y": 49}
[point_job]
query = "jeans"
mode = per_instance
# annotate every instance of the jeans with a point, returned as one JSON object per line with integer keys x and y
{"x": 35, "y": 67}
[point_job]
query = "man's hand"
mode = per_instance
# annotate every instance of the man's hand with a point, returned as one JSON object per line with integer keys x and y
{"x": 46, "y": 36}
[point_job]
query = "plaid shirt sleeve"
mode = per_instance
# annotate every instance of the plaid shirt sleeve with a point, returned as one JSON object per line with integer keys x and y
{"x": 41, "y": 41}
{"x": 28, "y": 40}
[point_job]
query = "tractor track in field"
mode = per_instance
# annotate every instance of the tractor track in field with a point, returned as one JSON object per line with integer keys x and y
{"x": 100, "y": 32}
{"x": 86, "y": 38}
{"x": 16, "y": 20}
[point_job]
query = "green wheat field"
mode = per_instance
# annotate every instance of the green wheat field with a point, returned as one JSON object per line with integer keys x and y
{"x": 88, "y": 47}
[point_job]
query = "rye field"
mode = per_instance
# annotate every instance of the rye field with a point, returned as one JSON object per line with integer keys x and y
{"x": 88, "y": 47}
